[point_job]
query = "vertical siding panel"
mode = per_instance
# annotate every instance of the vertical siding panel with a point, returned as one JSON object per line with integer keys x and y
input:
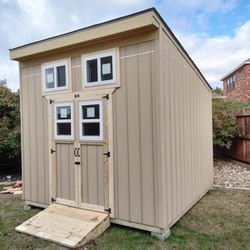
{"x": 167, "y": 80}
{"x": 84, "y": 173}
{"x": 71, "y": 169}
{"x": 40, "y": 138}
{"x": 58, "y": 171}
{"x": 46, "y": 150}
{"x": 92, "y": 173}
{"x": 155, "y": 129}
{"x": 33, "y": 135}
{"x": 122, "y": 164}
{"x": 133, "y": 134}
{"x": 65, "y": 158}
{"x": 172, "y": 134}
{"x": 25, "y": 136}
{"x": 76, "y": 74}
{"x": 100, "y": 175}
{"x": 145, "y": 116}
{"x": 176, "y": 132}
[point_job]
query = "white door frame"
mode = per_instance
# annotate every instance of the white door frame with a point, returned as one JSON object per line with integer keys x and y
{"x": 86, "y": 95}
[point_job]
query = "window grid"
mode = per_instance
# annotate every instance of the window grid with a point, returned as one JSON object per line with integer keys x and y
{"x": 57, "y": 121}
{"x": 55, "y": 65}
{"x": 99, "y": 121}
{"x": 98, "y": 57}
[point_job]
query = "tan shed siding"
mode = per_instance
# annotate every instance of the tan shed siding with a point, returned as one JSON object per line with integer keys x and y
{"x": 65, "y": 171}
{"x": 188, "y": 132}
{"x": 92, "y": 174}
{"x": 135, "y": 198}
{"x": 76, "y": 65}
{"x": 35, "y": 143}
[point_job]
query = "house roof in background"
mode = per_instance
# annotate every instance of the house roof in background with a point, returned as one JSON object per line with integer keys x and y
{"x": 235, "y": 69}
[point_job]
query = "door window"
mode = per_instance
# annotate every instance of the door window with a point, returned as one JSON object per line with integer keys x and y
{"x": 91, "y": 120}
{"x": 63, "y": 121}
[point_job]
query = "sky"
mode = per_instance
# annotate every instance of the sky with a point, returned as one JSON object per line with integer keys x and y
{"x": 215, "y": 33}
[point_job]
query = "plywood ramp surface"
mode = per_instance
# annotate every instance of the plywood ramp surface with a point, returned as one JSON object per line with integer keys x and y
{"x": 68, "y": 226}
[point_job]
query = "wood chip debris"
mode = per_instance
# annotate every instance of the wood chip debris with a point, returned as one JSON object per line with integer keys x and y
{"x": 16, "y": 189}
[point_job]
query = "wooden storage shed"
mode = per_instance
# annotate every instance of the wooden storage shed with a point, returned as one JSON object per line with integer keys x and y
{"x": 116, "y": 118}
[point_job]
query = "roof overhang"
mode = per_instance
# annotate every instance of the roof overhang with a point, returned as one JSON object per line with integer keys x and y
{"x": 135, "y": 22}
{"x": 235, "y": 69}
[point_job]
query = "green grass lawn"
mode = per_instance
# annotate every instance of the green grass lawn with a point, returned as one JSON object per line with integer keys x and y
{"x": 221, "y": 220}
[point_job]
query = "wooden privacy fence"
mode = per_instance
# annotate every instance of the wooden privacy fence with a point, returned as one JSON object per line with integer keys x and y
{"x": 241, "y": 146}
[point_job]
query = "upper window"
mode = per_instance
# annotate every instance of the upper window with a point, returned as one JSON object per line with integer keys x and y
{"x": 63, "y": 121}
{"x": 231, "y": 82}
{"x": 55, "y": 75}
{"x": 99, "y": 68}
{"x": 91, "y": 120}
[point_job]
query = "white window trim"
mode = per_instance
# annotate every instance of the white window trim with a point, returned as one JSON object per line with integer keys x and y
{"x": 55, "y": 64}
{"x": 98, "y": 56}
{"x": 100, "y": 120}
{"x": 64, "y": 137}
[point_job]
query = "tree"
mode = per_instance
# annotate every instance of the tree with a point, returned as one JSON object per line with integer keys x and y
{"x": 10, "y": 143}
{"x": 218, "y": 91}
{"x": 224, "y": 122}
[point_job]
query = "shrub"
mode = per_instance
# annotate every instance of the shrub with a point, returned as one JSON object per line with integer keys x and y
{"x": 224, "y": 122}
{"x": 10, "y": 143}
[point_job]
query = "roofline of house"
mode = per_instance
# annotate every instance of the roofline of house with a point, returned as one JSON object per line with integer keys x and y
{"x": 235, "y": 69}
{"x": 115, "y": 20}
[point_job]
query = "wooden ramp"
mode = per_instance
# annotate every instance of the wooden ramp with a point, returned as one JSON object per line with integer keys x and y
{"x": 68, "y": 226}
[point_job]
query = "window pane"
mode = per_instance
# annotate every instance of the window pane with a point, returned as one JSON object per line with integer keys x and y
{"x": 91, "y": 129}
{"x": 49, "y": 78}
{"x": 61, "y": 76}
{"x": 106, "y": 68}
{"x": 92, "y": 70}
{"x": 90, "y": 111}
{"x": 64, "y": 128}
{"x": 63, "y": 112}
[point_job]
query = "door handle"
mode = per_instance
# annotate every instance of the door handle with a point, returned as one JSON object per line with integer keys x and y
{"x": 75, "y": 153}
{"x": 78, "y": 152}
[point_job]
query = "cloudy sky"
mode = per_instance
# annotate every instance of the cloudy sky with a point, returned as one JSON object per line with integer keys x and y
{"x": 216, "y": 33}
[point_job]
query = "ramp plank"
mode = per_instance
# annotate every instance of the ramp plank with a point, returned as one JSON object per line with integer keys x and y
{"x": 68, "y": 226}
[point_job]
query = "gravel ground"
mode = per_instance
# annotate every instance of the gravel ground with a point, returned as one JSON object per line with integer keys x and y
{"x": 229, "y": 173}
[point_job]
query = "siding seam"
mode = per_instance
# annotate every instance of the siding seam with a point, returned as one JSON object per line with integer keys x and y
{"x": 137, "y": 54}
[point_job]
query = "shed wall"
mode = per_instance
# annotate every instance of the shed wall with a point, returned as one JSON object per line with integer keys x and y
{"x": 34, "y": 122}
{"x": 34, "y": 118}
{"x": 135, "y": 169}
{"x": 186, "y": 128}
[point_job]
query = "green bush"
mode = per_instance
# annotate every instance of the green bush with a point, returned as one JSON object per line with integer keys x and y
{"x": 10, "y": 142}
{"x": 224, "y": 122}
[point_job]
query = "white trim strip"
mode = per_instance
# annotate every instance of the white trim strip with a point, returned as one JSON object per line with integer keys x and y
{"x": 38, "y": 74}
{"x": 138, "y": 54}
{"x": 77, "y": 66}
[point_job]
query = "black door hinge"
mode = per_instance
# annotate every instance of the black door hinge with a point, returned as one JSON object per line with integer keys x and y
{"x": 51, "y": 101}
{"x": 106, "y": 97}
{"x": 52, "y": 151}
{"x": 107, "y": 210}
{"x": 77, "y": 162}
{"x": 107, "y": 154}
{"x": 53, "y": 199}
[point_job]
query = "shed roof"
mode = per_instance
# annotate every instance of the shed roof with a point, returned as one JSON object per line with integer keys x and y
{"x": 235, "y": 69}
{"x": 146, "y": 19}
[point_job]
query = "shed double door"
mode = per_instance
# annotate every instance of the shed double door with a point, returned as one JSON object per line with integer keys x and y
{"x": 80, "y": 176}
